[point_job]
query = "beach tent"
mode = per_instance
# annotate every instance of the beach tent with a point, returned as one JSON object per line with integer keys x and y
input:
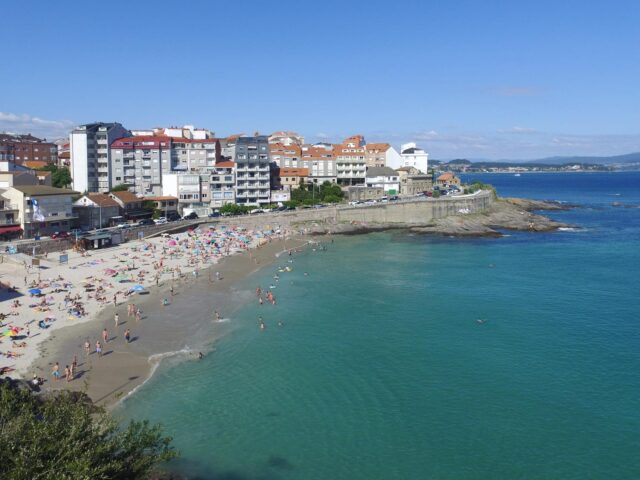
{"x": 35, "y": 291}
{"x": 137, "y": 288}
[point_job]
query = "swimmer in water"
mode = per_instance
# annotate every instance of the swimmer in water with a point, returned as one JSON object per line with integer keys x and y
{"x": 280, "y": 324}
{"x": 200, "y": 356}
{"x": 480, "y": 321}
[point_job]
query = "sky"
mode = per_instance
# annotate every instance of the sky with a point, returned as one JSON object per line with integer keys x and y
{"x": 464, "y": 79}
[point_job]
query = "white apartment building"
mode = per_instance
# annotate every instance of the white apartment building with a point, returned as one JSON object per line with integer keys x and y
{"x": 191, "y": 190}
{"x": 90, "y": 155}
{"x": 383, "y": 177}
{"x": 415, "y": 157}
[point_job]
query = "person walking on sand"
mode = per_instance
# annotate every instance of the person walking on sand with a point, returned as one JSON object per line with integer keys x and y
{"x": 105, "y": 336}
{"x": 138, "y": 315}
{"x": 87, "y": 347}
{"x": 98, "y": 348}
{"x": 74, "y": 366}
{"x": 67, "y": 373}
{"x": 127, "y": 336}
{"x": 56, "y": 371}
{"x": 115, "y": 299}
{"x": 116, "y": 319}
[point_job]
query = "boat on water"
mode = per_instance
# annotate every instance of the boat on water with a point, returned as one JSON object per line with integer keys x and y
{"x": 517, "y": 175}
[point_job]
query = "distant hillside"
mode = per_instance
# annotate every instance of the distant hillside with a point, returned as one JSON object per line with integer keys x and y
{"x": 613, "y": 160}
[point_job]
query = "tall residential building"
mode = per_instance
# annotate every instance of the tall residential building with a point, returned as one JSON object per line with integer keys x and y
{"x": 90, "y": 156}
{"x": 140, "y": 161}
{"x": 351, "y": 165}
{"x": 223, "y": 184}
{"x": 191, "y": 189}
{"x": 196, "y": 156}
{"x": 21, "y": 148}
{"x": 320, "y": 162}
{"x": 252, "y": 170}
{"x": 412, "y": 156}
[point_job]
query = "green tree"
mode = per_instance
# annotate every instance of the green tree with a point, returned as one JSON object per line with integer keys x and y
{"x": 66, "y": 437}
{"x": 123, "y": 187}
{"x": 61, "y": 178}
{"x": 234, "y": 209}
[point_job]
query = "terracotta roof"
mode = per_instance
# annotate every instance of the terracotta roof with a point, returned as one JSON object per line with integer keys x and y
{"x": 294, "y": 172}
{"x": 282, "y": 149}
{"x": 102, "y": 200}
{"x": 446, "y": 176}
{"x": 225, "y": 164}
{"x": 161, "y": 198}
{"x": 35, "y": 164}
{"x": 136, "y": 142}
{"x": 383, "y": 147}
{"x": 126, "y": 197}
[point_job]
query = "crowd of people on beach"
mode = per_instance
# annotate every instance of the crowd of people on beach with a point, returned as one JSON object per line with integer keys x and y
{"x": 112, "y": 278}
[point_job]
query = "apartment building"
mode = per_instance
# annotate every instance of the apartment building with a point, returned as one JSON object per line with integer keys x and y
{"x": 351, "y": 164}
{"x": 21, "y": 148}
{"x": 320, "y": 162}
{"x": 253, "y": 170}
{"x": 196, "y": 155}
{"x": 413, "y": 156}
{"x": 91, "y": 156}
{"x": 191, "y": 189}
{"x": 285, "y": 155}
{"x": 290, "y": 178}
{"x": 383, "y": 177}
{"x": 42, "y": 210}
{"x": 382, "y": 155}
{"x": 140, "y": 161}
{"x": 223, "y": 184}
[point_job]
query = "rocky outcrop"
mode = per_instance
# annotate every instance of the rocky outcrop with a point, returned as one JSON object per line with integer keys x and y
{"x": 503, "y": 214}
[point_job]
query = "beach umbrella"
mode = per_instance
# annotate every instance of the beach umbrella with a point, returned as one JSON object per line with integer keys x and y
{"x": 110, "y": 271}
{"x": 172, "y": 243}
{"x": 137, "y": 288}
{"x": 35, "y": 291}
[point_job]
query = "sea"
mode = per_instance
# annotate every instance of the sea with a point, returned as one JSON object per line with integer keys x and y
{"x": 401, "y": 356}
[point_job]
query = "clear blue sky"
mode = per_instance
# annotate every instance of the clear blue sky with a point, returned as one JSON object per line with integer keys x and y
{"x": 475, "y": 79}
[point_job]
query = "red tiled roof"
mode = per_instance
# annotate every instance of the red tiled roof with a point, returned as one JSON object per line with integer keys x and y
{"x": 294, "y": 172}
{"x": 126, "y": 197}
{"x": 102, "y": 200}
{"x": 225, "y": 164}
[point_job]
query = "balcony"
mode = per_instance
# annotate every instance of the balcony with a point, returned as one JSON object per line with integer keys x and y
{"x": 8, "y": 207}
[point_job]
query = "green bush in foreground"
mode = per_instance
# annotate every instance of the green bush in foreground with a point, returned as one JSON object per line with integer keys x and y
{"x": 64, "y": 437}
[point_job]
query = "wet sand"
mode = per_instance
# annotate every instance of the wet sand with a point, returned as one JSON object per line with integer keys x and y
{"x": 181, "y": 329}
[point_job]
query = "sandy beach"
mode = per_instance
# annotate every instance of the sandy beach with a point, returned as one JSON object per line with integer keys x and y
{"x": 209, "y": 262}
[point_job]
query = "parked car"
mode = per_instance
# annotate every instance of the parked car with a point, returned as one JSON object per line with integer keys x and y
{"x": 161, "y": 221}
{"x": 394, "y": 198}
{"x": 123, "y": 226}
{"x": 77, "y": 233}
{"x": 146, "y": 221}
{"x": 60, "y": 235}
{"x": 190, "y": 216}
{"x": 214, "y": 214}
{"x": 172, "y": 216}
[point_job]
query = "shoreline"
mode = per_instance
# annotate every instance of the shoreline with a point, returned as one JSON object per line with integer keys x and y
{"x": 126, "y": 367}
{"x": 81, "y": 293}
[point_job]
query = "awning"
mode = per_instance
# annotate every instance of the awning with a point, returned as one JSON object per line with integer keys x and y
{"x": 14, "y": 228}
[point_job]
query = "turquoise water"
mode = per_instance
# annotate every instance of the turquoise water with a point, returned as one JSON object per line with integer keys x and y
{"x": 381, "y": 370}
